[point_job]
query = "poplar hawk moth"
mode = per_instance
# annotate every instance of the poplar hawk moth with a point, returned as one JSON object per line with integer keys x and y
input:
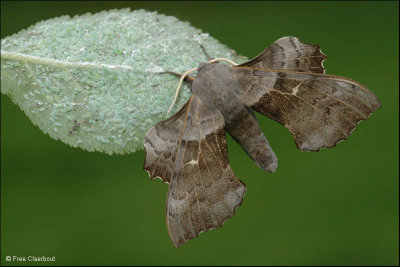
{"x": 287, "y": 83}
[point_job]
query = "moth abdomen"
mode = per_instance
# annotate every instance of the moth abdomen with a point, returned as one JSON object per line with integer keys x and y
{"x": 244, "y": 128}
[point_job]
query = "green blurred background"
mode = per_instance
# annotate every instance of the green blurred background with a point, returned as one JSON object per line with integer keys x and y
{"x": 338, "y": 206}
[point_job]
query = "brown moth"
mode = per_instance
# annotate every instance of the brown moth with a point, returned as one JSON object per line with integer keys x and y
{"x": 286, "y": 83}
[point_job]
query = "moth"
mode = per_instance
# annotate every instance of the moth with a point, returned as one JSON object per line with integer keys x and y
{"x": 287, "y": 83}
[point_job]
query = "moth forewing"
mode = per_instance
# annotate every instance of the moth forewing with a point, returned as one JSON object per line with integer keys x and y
{"x": 319, "y": 110}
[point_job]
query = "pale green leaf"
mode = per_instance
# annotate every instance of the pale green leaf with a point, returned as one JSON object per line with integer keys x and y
{"x": 93, "y": 81}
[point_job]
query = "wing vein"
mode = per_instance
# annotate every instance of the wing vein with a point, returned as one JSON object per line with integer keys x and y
{"x": 173, "y": 172}
{"x": 222, "y": 168}
{"x": 337, "y": 99}
{"x": 202, "y": 184}
{"x": 220, "y": 163}
{"x": 289, "y": 50}
{"x": 329, "y": 95}
{"x": 287, "y": 117}
{"x": 160, "y": 156}
{"x": 361, "y": 100}
{"x": 305, "y": 117}
{"x": 193, "y": 176}
{"x": 186, "y": 189}
{"x": 291, "y": 59}
{"x": 321, "y": 75}
{"x": 301, "y": 99}
{"x": 333, "y": 109}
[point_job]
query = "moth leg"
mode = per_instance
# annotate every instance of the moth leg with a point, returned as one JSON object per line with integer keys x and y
{"x": 188, "y": 79}
{"x": 242, "y": 125}
{"x": 205, "y": 53}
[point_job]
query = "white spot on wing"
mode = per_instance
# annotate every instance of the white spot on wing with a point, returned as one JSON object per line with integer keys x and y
{"x": 296, "y": 89}
{"x": 192, "y": 162}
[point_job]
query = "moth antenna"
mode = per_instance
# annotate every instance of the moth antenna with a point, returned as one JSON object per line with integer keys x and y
{"x": 205, "y": 53}
{"x": 188, "y": 79}
{"x": 223, "y": 59}
{"x": 169, "y": 72}
{"x": 179, "y": 87}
